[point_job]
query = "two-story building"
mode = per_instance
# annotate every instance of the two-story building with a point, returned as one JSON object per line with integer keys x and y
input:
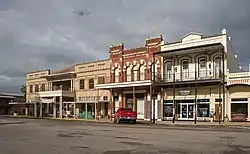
{"x": 89, "y": 99}
{"x": 70, "y": 91}
{"x": 130, "y": 82}
{"x": 194, "y": 77}
{"x": 238, "y": 92}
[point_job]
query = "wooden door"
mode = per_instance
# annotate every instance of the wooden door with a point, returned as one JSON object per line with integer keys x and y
{"x": 218, "y": 112}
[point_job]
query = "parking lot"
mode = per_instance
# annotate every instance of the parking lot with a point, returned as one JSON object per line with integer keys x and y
{"x": 40, "y": 136}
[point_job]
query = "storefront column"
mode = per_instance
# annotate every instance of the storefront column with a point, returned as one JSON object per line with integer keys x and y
{"x": 26, "y": 110}
{"x": 35, "y": 109}
{"x": 41, "y": 109}
{"x": 228, "y": 105}
{"x": 248, "y": 109}
{"x": 54, "y": 107}
{"x": 74, "y": 110}
{"x": 120, "y": 100}
{"x": 134, "y": 100}
{"x": 60, "y": 108}
{"x": 86, "y": 110}
{"x": 95, "y": 110}
{"x": 111, "y": 105}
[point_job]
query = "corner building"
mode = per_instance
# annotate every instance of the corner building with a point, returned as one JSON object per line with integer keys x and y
{"x": 130, "y": 82}
{"x": 194, "y": 77}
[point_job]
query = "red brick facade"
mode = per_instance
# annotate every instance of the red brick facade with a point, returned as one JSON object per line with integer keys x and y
{"x": 122, "y": 59}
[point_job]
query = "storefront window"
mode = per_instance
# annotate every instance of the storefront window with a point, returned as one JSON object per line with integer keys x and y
{"x": 203, "y": 110}
{"x": 167, "y": 110}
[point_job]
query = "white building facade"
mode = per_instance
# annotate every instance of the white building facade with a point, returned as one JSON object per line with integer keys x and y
{"x": 194, "y": 77}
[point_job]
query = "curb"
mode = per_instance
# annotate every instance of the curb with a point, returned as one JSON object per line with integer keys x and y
{"x": 142, "y": 123}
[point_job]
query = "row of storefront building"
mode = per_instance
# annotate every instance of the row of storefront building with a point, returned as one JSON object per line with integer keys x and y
{"x": 195, "y": 78}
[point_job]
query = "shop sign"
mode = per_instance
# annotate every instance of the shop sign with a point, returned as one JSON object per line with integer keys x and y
{"x": 89, "y": 98}
{"x": 185, "y": 92}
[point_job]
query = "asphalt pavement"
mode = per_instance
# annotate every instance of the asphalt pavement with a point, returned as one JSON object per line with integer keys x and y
{"x": 42, "y": 136}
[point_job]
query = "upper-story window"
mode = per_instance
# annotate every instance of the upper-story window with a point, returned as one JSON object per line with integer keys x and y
{"x": 128, "y": 74}
{"x": 217, "y": 65}
{"x": 185, "y": 69}
{"x": 101, "y": 79}
{"x": 42, "y": 88}
{"x": 82, "y": 84}
{"x": 37, "y": 88}
{"x": 168, "y": 70}
{"x": 135, "y": 71}
{"x": 91, "y": 83}
{"x": 202, "y": 67}
{"x": 116, "y": 75}
{"x": 142, "y": 72}
{"x": 153, "y": 71}
{"x": 31, "y": 88}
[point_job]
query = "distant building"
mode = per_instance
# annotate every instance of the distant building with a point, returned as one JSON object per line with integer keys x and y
{"x": 10, "y": 103}
{"x": 70, "y": 91}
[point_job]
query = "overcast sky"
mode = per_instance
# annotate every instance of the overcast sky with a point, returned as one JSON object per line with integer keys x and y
{"x": 53, "y": 34}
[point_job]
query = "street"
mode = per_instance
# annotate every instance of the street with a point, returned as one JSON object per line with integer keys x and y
{"x": 41, "y": 136}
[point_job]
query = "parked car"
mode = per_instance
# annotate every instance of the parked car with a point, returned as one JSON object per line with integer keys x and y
{"x": 125, "y": 115}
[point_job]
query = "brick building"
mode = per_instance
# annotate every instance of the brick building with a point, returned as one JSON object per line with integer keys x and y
{"x": 130, "y": 81}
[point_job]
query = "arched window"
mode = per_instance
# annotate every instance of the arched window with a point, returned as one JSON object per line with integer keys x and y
{"x": 116, "y": 75}
{"x": 185, "y": 69}
{"x": 168, "y": 70}
{"x": 154, "y": 71}
{"x": 128, "y": 74}
{"x": 135, "y": 71}
{"x": 217, "y": 66}
{"x": 202, "y": 67}
{"x": 142, "y": 72}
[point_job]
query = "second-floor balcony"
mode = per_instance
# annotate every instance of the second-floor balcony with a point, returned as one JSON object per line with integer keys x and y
{"x": 190, "y": 77}
{"x": 124, "y": 81}
{"x": 56, "y": 91}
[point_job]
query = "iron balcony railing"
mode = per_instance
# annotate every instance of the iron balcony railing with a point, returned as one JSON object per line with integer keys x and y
{"x": 56, "y": 88}
{"x": 191, "y": 76}
{"x": 128, "y": 78}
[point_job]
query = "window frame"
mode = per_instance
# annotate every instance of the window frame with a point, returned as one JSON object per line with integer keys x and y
{"x": 82, "y": 85}
{"x": 91, "y": 83}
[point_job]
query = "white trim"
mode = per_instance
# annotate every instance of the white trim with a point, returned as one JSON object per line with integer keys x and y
{"x": 124, "y": 84}
{"x": 241, "y": 102}
{"x": 136, "y": 91}
{"x": 206, "y": 41}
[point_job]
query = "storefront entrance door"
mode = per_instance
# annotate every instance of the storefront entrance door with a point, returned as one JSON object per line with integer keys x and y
{"x": 187, "y": 111}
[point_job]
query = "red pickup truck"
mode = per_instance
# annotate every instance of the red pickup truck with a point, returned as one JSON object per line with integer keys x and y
{"x": 125, "y": 114}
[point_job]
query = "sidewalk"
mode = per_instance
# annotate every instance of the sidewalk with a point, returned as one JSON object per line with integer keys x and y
{"x": 191, "y": 123}
{"x": 162, "y": 123}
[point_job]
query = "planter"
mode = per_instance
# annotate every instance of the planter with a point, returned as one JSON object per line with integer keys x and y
{"x": 226, "y": 120}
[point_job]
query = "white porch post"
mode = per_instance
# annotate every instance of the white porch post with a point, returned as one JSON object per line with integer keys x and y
{"x": 86, "y": 111}
{"x": 26, "y": 110}
{"x": 248, "y": 108}
{"x": 54, "y": 107}
{"x": 41, "y": 109}
{"x": 74, "y": 110}
{"x": 60, "y": 108}
{"x": 95, "y": 111}
{"x": 35, "y": 109}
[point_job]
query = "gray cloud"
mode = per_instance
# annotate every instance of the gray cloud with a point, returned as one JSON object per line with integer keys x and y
{"x": 54, "y": 34}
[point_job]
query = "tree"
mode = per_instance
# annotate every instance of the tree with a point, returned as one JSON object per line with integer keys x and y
{"x": 23, "y": 90}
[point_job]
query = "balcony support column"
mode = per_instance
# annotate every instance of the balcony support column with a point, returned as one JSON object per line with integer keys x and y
{"x": 54, "y": 107}
{"x": 41, "y": 109}
{"x": 223, "y": 85}
{"x": 174, "y": 105}
{"x": 60, "y": 107}
{"x": 35, "y": 109}
{"x": 134, "y": 100}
